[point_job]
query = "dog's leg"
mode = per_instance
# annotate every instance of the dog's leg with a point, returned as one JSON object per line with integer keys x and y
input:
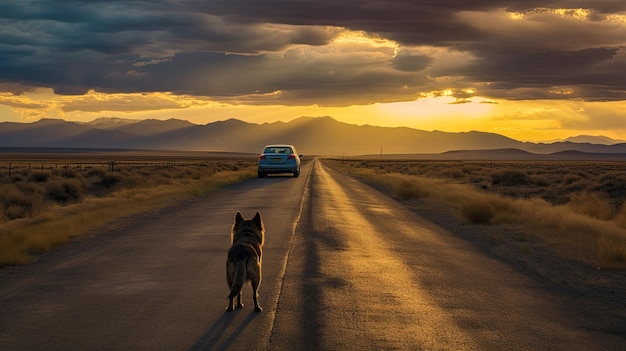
{"x": 239, "y": 303}
{"x": 229, "y": 279}
{"x": 255, "y": 297}
{"x": 256, "y": 281}
{"x": 230, "y": 272}
{"x": 257, "y": 307}
{"x": 231, "y": 305}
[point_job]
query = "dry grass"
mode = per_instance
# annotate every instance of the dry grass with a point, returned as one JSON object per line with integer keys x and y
{"x": 588, "y": 224}
{"x": 593, "y": 204}
{"x": 620, "y": 217}
{"x": 42, "y": 211}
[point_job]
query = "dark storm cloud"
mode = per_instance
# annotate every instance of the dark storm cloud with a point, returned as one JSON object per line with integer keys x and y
{"x": 410, "y": 63}
{"x": 244, "y": 50}
{"x": 593, "y": 74}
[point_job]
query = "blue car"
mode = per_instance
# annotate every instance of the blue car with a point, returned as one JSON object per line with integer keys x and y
{"x": 279, "y": 158}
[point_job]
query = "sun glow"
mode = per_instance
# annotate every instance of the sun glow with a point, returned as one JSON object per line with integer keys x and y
{"x": 437, "y": 93}
{"x": 349, "y": 37}
{"x": 579, "y": 14}
{"x": 616, "y": 18}
{"x": 562, "y": 91}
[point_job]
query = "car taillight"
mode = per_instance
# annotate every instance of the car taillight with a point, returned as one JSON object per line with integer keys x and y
{"x": 291, "y": 157}
{"x": 262, "y": 157}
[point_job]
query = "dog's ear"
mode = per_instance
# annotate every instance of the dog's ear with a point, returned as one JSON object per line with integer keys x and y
{"x": 257, "y": 219}
{"x": 238, "y": 218}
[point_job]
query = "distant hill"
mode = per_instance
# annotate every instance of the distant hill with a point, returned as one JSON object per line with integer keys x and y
{"x": 152, "y": 127}
{"x": 594, "y": 139}
{"x": 110, "y": 122}
{"x": 41, "y": 133}
{"x": 312, "y": 136}
{"x": 520, "y": 155}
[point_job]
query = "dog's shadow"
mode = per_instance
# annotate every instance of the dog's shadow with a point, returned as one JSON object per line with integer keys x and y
{"x": 213, "y": 338}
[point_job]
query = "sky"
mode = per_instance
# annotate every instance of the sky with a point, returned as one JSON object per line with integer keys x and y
{"x": 535, "y": 70}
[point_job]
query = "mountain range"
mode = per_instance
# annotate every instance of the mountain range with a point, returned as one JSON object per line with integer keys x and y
{"x": 311, "y": 135}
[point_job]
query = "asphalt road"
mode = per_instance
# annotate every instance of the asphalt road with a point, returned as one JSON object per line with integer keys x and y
{"x": 345, "y": 267}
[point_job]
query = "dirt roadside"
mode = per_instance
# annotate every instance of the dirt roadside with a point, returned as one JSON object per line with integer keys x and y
{"x": 603, "y": 291}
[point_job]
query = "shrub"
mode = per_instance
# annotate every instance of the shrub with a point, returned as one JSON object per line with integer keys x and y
{"x": 610, "y": 185}
{"x": 17, "y": 204}
{"x": 479, "y": 210}
{"x": 66, "y": 172}
{"x": 159, "y": 179}
{"x": 39, "y": 176}
{"x": 134, "y": 181}
{"x": 454, "y": 173}
{"x": 408, "y": 189}
{"x": 16, "y": 178}
{"x": 65, "y": 190}
{"x": 110, "y": 179}
{"x": 592, "y": 204}
{"x": 576, "y": 186}
{"x": 540, "y": 180}
{"x": 97, "y": 172}
{"x": 509, "y": 177}
{"x": 15, "y": 212}
{"x": 483, "y": 208}
{"x": 571, "y": 178}
{"x": 30, "y": 189}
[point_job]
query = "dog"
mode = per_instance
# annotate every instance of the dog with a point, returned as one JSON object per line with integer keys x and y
{"x": 244, "y": 259}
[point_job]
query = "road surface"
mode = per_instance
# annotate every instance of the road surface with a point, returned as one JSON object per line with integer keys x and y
{"x": 345, "y": 268}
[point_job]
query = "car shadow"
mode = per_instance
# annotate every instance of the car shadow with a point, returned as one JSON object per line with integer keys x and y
{"x": 281, "y": 175}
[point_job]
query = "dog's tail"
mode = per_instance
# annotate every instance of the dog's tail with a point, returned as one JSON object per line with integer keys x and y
{"x": 239, "y": 279}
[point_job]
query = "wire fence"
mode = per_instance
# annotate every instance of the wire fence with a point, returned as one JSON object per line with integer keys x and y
{"x": 112, "y": 166}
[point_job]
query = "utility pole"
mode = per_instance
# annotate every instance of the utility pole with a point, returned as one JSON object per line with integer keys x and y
{"x": 381, "y": 152}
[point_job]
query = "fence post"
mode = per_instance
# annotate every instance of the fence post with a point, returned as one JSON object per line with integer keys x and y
{"x": 10, "y": 168}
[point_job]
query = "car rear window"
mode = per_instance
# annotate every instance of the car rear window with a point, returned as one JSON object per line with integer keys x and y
{"x": 278, "y": 150}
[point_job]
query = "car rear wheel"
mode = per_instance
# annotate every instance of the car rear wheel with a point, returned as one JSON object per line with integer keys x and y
{"x": 261, "y": 174}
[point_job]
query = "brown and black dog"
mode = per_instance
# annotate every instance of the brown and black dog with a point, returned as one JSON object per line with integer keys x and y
{"x": 244, "y": 259}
